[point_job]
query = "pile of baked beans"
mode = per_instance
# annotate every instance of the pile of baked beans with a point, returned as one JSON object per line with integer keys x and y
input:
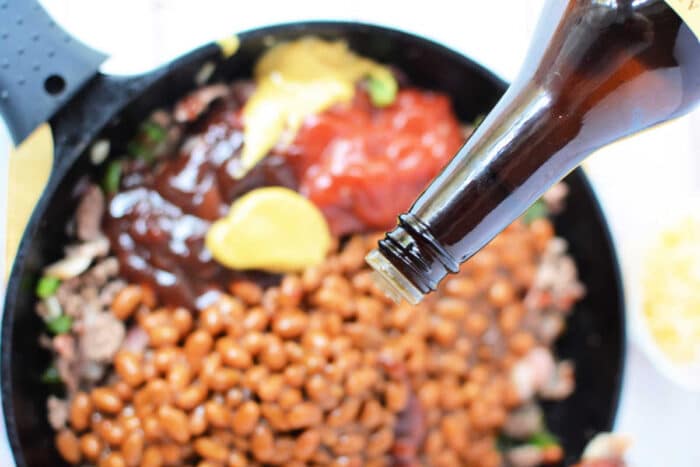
{"x": 321, "y": 369}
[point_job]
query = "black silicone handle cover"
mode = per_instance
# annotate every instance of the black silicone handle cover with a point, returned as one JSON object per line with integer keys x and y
{"x": 41, "y": 66}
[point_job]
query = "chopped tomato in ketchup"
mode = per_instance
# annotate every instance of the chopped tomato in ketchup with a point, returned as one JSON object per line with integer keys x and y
{"x": 363, "y": 166}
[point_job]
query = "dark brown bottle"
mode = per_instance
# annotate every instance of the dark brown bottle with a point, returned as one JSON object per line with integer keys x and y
{"x": 597, "y": 70}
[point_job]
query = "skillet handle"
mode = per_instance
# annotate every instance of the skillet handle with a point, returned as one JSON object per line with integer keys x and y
{"x": 41, "y": 66}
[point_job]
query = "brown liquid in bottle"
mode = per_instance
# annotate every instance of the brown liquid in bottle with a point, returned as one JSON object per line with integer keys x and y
{"x": 598, "y": 70}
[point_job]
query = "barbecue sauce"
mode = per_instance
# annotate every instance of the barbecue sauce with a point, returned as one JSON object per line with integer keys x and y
{"x": 597, "y": 71}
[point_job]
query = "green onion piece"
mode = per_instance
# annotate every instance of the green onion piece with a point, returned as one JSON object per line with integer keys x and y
{"x": 382, "y": 88}
{"x": 153, "y": 132}
{"x": 478, "y": 120}
{"x": 536, "y": 211}
{"x": 112, "y": 177}
{"x": 47, "y": 286}
{"x": 543, "y": 439}
{"x": 60, "y": 324}
{"x": 140, "y": 151}
{"x": 51, "y": 376}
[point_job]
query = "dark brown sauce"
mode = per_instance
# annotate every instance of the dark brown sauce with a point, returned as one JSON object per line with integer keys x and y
{"x": 158, "y": 221}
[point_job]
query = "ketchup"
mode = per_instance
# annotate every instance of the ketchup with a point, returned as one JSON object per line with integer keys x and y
{"x": 361, "y": 165}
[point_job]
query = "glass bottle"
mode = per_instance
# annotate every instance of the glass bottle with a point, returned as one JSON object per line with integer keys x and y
{"x": 597, "y": 71}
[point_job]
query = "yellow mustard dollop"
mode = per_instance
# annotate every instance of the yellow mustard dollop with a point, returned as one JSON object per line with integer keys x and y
{"x": 273, "y": 229}
{"x": 302, "y": 78}
{"x": 672, "y": 291}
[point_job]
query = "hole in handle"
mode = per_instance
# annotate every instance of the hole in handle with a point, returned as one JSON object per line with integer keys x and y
{"x": 54, "y": 84}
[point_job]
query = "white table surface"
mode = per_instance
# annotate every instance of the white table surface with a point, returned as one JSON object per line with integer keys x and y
{"x": 634, "y": 178}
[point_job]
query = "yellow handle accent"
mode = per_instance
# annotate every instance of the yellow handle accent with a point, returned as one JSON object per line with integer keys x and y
{"x": 29, "y": 169}
{"x": 689, "y": 11}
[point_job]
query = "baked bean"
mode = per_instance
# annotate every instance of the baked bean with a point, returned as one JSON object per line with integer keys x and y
{"x": 501, "y": 293}
{"x": 149, "y": 370}
{"x": 462, "y": 287}
{"x": 236, "y": 459}
{"x": 171, "y": 454}
{"x": 123, "y": 390}
{"x": 127, "y": 364}
{"x": 174, "y": 422}
{"x": 126, "y": 301}
{"x": 521, "y": 342}
{"x": 270, "y": 387}
{"x": 210, "y": 365}
{"x": 152, "y": 457}
{"x": 234, "y": 397}
{"x": 294, "y": 352}
{"x": 349, "y": 444}
{"x": 262, "y": 443}
{"x": 129, "y": 422}
{"x": 224, "y": 379}
{"x": 314, "y": 363}
{"x": 163, "y": 335}
{"x": 304, "y": 415}
{"x": 429, "y": 394}
{"x": 311, "y": 278}
{"x": 253, "y": 342}
{"x": 198, "y": 421}
{"x": 152, "y": 430}
{"x": 291, "y": 291}
{"x": 191, "y": 396}
{"x": 396, "y": 396}
{"x": 245, "y": 418}
{"x": 132, "y": 449}
{"x": 207, "y": 463}
{"x": 273, "y": 355}
{"x": 80, "y": 410}
{"x": 443, "y": 331}
{"x": 210, "y": 449}
{"x": 363, "y": 379}
{"x": 233, "y": 354}
{"x": 217, "y": 414}
{"x": 346, "y": 413}
{"x": 152, "y": 319}
{"x": 110, "y": 432}
{"x": 290, "y": 323}
{"x": 182, "y": 320}
{"x": 454, "y": 432}
{"x": 68, "y": 446}
{"x": 306, "y": 444}
{"x": 253, "y": 376}
{"x": 475, "y": 324}
{"x": 90, "y": 446}
{"x": 211, "y": 320}
{"x": 249, "y": 292}
{"x": 113, "y": 459}
{"x": 198, "y": 344}
{"x": 294, "y": 375}
{"x": 380, "y": 442}
{"x": 106, "y": 400}
{"x": 274, "y": 415}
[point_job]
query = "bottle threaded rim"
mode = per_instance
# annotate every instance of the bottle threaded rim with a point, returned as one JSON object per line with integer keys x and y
{"x": 394, "y": 284}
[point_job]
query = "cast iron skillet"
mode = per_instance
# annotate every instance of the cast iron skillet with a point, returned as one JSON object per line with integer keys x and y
{"x": 91, "y": 105}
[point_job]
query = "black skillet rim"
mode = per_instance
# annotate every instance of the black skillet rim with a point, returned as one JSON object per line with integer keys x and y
{"x": 13, "y": 283}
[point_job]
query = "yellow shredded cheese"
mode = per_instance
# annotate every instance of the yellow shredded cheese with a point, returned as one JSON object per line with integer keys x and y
{"x": 671, "y": 301}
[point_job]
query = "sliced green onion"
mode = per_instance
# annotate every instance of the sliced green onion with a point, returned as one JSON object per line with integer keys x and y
{"x": 140, "y": 151}
{"x": 382, "y": 88}
{"x": 112, "y": 177}
{"x": 536, "y": 211}
{"x": 153, "y": 131}
{"x": 47, "y": 286}
{"x": 543, "y": 439}
{"x": 60, "y": 324}
{"x": 51, "y": 376}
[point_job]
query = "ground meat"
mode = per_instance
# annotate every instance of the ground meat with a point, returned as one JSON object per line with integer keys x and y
{"x": 58, "y": 412}
{"x": 102, "y": 336}
{"x": 88, "y": 215}
{"x": 524, "y": 421}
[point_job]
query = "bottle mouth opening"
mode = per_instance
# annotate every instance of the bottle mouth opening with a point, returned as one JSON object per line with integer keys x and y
{"x": 394, "y": 284}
